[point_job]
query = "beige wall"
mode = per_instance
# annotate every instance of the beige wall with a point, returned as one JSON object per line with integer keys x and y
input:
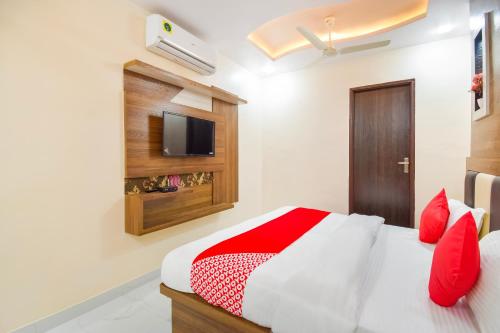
{"x": 62, "y": 236}
{"x": 307, "y": 117}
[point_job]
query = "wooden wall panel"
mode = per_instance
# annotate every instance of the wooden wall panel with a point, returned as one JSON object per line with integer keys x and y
{"x": 232, "y": 153}
{"x": 228, "y": 180}
{"x": 485, "y": 133}
{"x": 219, "y": 187}
{"x": 161, "y": 75}
{"x": 145, "y": 101}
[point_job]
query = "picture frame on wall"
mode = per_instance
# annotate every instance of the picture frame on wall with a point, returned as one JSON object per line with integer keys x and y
{"x": 481, "y": 62}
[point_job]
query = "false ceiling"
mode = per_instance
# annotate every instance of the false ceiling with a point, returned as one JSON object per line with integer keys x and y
{"x": 353, "y": 19}
{"x": 226, "y": 25}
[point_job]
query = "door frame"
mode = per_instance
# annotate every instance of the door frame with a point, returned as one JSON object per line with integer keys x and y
{"x": 352, "y": 92}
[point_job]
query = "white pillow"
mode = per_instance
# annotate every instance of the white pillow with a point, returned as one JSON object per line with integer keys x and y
{"x": 484, "y": 297}
{"x": 458, "y": 209}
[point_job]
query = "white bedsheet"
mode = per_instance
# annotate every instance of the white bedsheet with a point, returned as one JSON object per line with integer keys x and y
{"x": 324, "y": 295}
{"x": 263, "y": 288}
{"x": 394, "y": 292}
{"x": 396, "y": 298}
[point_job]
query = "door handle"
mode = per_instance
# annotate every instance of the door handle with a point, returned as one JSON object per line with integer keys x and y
{"x": 406, "y": 164}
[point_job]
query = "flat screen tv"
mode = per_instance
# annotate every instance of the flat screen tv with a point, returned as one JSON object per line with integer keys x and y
{"x": 187, "y": 136}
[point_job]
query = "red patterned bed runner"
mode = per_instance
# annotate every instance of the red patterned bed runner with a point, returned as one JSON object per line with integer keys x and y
{"x": 219, "y": 274}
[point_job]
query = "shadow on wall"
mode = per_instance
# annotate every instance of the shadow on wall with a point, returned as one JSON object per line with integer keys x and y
{"x": 115, "y": 242}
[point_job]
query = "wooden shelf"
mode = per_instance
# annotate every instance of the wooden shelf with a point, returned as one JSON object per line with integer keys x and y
{"x": 148, "y": 212}
{"x": 142, "y": 68}
{"x": 189, "y": 215}
{"x": 161, "y": 195}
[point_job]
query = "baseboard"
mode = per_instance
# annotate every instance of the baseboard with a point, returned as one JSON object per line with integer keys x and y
{"x": 74, "y": 311}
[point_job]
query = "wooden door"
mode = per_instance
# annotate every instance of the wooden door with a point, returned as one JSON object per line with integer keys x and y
{"x": 382, "y": 139}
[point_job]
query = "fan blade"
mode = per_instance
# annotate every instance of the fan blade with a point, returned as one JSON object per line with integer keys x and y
{"x": 312, "y": 38}
{"x": 364, "y": 47}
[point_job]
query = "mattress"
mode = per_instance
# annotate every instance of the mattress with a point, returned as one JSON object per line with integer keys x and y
{"x": 394, "y": 295}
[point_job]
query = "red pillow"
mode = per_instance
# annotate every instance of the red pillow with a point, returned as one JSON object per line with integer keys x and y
{"x": 456, "y": 263}
{"x": 434, "y": 219}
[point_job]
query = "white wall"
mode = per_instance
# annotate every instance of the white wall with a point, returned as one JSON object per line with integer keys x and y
{"x": 62, "y": 236}
{"x": 306, "y": 124}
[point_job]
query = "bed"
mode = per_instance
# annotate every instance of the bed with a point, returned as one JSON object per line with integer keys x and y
{"x": 390, "y": 288}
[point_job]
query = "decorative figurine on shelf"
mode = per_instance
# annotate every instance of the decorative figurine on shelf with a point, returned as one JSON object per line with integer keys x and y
{"x": 174, "y": 180}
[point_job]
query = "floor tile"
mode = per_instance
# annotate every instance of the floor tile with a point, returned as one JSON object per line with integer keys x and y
{"x": 149, "y": 295}
{"x": 134, "y": 318}
{"x": 141, "y": 310}
{"x": 71, "y": 326}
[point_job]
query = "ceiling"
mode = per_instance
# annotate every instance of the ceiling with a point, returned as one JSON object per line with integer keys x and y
{"x": 226, "y": 25}
{"x": 351, "y": 19}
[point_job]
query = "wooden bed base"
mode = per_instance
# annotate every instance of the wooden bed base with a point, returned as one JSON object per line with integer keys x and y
{"x": 191, "y": 314}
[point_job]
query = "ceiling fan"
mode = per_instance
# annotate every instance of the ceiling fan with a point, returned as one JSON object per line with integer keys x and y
{"x": 328, "y": 48}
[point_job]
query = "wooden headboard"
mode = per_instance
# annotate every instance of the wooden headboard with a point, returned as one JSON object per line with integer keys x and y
{"x": 483, "y": 190}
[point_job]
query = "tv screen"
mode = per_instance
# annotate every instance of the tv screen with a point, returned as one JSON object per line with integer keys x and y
{"x": 187, "y": 136}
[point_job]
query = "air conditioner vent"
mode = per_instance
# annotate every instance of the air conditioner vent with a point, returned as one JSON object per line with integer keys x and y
{"x": 168, "y": 40}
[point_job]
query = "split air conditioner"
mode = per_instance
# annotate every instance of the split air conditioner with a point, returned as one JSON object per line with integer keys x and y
{"x": 168, "y": 40}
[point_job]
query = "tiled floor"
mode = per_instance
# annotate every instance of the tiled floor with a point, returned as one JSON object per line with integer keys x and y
{"x": 142, "y": 310}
